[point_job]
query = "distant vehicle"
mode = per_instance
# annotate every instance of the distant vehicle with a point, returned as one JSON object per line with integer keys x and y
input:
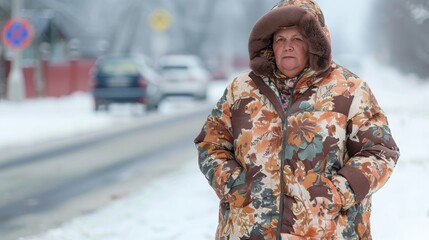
{"x": 125, "y": 79}
{"x": 183, "y": 75}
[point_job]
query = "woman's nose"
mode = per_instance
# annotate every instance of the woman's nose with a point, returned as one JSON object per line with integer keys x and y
{"x": 288, "y": 46}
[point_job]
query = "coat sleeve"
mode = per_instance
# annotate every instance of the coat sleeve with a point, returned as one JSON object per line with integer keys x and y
{"x": 216, "y": 157}
{"x": 371, "y": 149}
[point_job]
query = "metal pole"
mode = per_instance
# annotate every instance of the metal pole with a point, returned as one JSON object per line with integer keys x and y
{"x": 16, "y": 85}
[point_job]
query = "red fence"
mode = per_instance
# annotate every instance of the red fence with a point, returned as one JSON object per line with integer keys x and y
{"x": 59, "y": 79}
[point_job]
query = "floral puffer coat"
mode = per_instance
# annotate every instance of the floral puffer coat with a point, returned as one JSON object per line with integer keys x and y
{"x": 304, "y": 173}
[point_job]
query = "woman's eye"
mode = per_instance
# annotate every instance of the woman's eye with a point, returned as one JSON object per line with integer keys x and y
{"x": 279, "y": 40}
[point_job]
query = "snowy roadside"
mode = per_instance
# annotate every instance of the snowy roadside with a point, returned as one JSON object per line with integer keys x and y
{"x": 183, "y": 206}
{"x": 179, "y": 206}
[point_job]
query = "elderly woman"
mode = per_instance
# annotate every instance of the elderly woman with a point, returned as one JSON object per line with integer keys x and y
{"x": 295, "y": 148}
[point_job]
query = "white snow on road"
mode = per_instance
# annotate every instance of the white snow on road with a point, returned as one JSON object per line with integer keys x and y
{"x": 183, "y": 206}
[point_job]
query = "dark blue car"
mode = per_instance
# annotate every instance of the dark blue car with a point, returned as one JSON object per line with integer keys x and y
{"x": 125, "y": 79}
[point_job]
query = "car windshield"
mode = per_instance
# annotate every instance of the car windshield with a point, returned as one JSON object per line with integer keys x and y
{"x": 118, "y": 67}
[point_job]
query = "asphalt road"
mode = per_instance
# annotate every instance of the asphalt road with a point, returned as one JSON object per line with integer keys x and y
{"x": 45, "y": 185}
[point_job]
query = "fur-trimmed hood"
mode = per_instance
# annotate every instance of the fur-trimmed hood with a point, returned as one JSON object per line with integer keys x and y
{"x": 307, "y": 16}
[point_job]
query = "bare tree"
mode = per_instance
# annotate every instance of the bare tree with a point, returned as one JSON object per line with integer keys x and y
{"x": 401, "y": 30}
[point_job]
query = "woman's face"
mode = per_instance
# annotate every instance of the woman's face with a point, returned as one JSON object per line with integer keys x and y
{"x": 290, "y": 51}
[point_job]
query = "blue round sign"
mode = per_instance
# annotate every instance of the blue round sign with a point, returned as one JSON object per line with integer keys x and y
{"x": 17, "y": 34}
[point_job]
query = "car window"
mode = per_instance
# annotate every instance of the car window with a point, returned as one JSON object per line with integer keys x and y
{"x": 118, "y": 68}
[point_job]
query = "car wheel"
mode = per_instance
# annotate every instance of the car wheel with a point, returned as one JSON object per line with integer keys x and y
{"x": 101, "y": 107}
{"x": 152, "y": 107}
{"x": 97, "y": 107}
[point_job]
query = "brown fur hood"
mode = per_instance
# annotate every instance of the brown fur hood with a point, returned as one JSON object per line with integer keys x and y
{"x": 305, "y": 14}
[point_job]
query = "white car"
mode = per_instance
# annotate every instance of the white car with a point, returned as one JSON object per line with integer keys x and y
{"x": 183, "y": 75}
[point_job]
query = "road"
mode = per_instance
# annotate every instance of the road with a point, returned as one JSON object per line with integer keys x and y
{"x": 45, "y": 185}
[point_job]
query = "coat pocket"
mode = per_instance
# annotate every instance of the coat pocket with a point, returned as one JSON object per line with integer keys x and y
{"x": 240, "y": 194}
{"x": 316, "y": 208}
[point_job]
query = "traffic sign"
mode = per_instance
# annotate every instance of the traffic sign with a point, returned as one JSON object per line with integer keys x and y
{"x": 160, "y": 20}
{"x": 17, "y": 34}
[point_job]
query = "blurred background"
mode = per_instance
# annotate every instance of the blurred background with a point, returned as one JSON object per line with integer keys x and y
{"x": 100, "y": 101}
{"x": 393, "y": 31}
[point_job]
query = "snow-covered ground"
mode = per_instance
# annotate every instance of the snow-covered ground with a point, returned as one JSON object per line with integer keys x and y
{"x": 187, "y": 209}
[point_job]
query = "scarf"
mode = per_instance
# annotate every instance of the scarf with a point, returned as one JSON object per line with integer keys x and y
{"x": 286, "y": 85}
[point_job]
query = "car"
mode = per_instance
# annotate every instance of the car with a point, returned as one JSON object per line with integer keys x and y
{"x": 183, "y": 75}
{"x": 125, "y": 79}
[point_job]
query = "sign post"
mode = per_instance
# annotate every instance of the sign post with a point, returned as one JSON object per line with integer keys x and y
{"x": 160, "y": 21}
{"x": 17, "y": 34}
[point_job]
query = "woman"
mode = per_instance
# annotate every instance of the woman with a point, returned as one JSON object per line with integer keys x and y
{"x": 295, "y": 148}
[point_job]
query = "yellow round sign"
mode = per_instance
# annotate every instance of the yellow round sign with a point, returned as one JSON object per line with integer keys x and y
{"x": 160, "y": 20}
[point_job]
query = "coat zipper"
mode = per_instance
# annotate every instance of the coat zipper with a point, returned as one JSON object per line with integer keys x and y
{"x": 282, "y": 163}
{"x": 262, "y": 84}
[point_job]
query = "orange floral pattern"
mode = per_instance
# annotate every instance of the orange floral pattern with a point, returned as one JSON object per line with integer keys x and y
{"x": 302, "y": 127}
